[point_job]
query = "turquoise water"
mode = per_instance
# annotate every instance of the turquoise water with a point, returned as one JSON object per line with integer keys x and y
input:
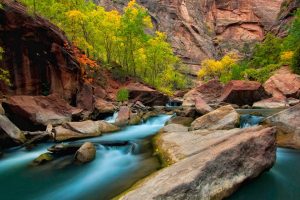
{"x": 114, "y": 170}
{"x": 282, "y": 182}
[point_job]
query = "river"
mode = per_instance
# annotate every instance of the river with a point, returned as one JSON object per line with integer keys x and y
{"x": 114, "y": 170}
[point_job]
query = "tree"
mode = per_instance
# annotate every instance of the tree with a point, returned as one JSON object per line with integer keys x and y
{"x": 214, "y": 69}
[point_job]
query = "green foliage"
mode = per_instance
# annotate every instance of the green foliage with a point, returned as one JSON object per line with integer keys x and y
{"x": 267, "y": 52}
{"x": 296, "y": 60}
{"x": 292, "y": 41}
{"x": 115, "y": 38}
{"x": 122, "y": 95}
{"x": 261, "y": 74}
{"x": 4, "y": 74}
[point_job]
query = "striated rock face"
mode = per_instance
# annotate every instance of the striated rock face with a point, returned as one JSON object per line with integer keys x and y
{"x": 285, "y": 17}
{"x": 204, "y": 29}
{"x": 35, "y": 54}
{"x": 208, "y": 167}
{"x": 287, "y": 123}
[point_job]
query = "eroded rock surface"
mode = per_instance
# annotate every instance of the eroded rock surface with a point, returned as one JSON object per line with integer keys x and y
{"x": 287, "y": 123}
{"x": 211, "y": 170}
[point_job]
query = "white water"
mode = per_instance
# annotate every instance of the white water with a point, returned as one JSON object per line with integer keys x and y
{"x": 113, "y": 171}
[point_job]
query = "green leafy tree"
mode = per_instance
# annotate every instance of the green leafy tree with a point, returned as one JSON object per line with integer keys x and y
{"x": 268, "y": 52}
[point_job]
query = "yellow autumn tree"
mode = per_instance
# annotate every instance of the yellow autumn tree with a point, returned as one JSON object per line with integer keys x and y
{"x": 213, "y": 69}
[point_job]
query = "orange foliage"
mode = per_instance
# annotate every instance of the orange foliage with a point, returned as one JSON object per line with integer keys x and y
{"x": 87, "y": 66}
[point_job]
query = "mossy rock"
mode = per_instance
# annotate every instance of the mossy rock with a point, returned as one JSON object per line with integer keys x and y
{"x": 42, "y": 159}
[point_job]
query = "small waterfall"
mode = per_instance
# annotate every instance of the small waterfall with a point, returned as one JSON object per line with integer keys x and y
{"x": 112, "y": 119}
{"x": 247, "y": 120}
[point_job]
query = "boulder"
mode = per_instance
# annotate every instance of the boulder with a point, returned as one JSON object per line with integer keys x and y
{"x": 243, "y": 92}
{"x": 271, "y": 103}
{"x": 102, "y": 106}
{"x": 86, "y": 153}
{"x": 210, "y": 91}
{"x": 223, "y": 118}
{"x": 106, "y": 127}
{"x": 287, "y": 123}
{"x": 27, "y": 111}
{"x": 190, "y": 97}
{"x": 185, "y": 121}
{"x": 12, "y": 131}
{"x": 123, "y": 116}
{"x": 283, "y": 84}
{"x": 100, "y": 93}
{"x": 201, "y": 106}
{"x": 174, "y": 128}
{"x": 64, "y": 149}
{"x": 85, "y": 97}
{"x": 146, "y": 95}
{"x": 209, "y": 164}
{"x": 135, "y": 118}
{"x": 84, "y": 129}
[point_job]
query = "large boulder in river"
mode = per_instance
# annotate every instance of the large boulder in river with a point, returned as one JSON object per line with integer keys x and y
{"x": 86, "y": 153}
{"x": 27, "y": 111}
{"x": 287, "y": 123}
{"x": 84, "y": 129}
{"x": 123, "y": 116}
{"x": 201, "y": 106}
{"x": 243, "y": 92}
{"x": 209, "y": 164}
{"x": 146, "y": 95}
{"x": 222, "y": 118}
{"x": 9, "y": 132}
{"x": 104, "y": 107}
{"x": 283, "y": 84}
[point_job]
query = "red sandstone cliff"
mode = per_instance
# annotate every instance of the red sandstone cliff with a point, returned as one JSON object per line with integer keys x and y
{"x": 35, "y": 54}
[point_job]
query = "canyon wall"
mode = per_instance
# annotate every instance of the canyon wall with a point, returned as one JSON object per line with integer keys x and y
{"x": 208, "y": 28}
{"x": 35, "y": 54}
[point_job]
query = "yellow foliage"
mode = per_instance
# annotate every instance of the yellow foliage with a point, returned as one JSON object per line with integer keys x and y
{"x": 214, "y": 68}
{"x": 286, "y": 57}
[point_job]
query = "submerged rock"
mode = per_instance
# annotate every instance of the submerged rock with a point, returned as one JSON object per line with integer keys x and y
{"x": 209, "y": 164}
{"x": 243, "y": 92}
{"x": 287, "y": 123}
{"x": 223, "y": 118}
{"x": 86, "y": 153}
{"x": 42, "y": 159}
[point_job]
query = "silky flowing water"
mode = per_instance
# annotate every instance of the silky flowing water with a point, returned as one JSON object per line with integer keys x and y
{"x": 114, "y": 170}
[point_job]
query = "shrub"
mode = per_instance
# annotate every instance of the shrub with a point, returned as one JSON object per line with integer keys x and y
{"x": 267, "y": 52}
{"x": 286, "y": 57}
{"x": 296, "y": 61}
{"x": 122, "y": 95}
{"x": 262, "y": 74}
